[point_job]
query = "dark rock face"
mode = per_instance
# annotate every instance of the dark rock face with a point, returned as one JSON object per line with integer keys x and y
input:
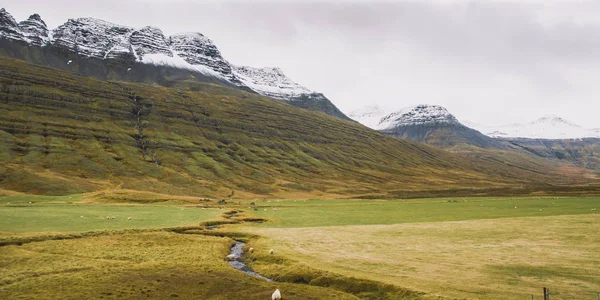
{"x": 444, "y": 135}
{"x": 8, "y": 26}
{"x": 150, "y": 40}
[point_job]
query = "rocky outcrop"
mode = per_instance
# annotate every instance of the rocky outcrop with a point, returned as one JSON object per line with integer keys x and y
{"x": 8, "y": 26}
{"x": 35, "y": 29}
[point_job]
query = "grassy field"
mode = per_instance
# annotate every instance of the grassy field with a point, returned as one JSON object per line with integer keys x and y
{"x": 313, "y": 213}
{"x": 474, "y": 248}
{"x": 36, "y": 214}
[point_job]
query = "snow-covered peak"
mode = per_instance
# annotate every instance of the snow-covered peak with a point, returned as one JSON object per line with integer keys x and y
{"x": 270, "y": 82}
{"x": 197, "y": 49}
{"x": 417, "y": 115}
{"x": 369, "y": 116}
{"x": 90, "y": 37}
{"x": 554, "y": 120}
{"x": 9, "y": 27}
{"x": 548, "y": 127}
{"x": 35, "y": 29}
{"x": 6, "y": 19}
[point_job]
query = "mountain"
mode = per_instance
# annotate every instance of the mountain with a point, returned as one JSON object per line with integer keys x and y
{"x": 271, "y": 82}
{"x": 433, "y": 124}
{"x": 548, "y": 127}
{"x": 62, "y": 133}
{"x": 93, "y": 47}
{"x": 369, "y": 116}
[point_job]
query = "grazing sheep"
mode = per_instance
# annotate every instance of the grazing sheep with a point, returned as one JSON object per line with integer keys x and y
{"x": 113, "y": 217}
{"x": 81, "y": 217}
{"x": 271, "y": 251}
{"x": 128, "y": 218}
{"x": 107, "y": 217}
{"x": 276, "y": 295}
{"x": 230, "y": 257}
{"x": 516, "y": 207}
{"x": 251, "y": 250}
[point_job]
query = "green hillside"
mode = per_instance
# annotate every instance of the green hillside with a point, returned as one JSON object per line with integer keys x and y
{"x": 61, "y": 134}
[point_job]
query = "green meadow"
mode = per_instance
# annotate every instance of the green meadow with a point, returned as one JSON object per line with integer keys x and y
{"x": 437, "y": 248}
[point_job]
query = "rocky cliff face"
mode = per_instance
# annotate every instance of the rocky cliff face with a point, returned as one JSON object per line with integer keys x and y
{"x": 110, "y": 51}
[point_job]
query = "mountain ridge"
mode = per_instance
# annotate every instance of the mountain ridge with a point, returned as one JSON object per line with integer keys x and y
{"x": 112, "y": 51}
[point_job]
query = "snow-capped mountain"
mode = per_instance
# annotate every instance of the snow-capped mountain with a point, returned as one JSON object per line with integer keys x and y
{"x": 417, "y": 115}
{"x": 112, "y": 50}
{"x": 374, "y": 116}
{"x": 548, "y": 127}
{"x": 431, "y": 124}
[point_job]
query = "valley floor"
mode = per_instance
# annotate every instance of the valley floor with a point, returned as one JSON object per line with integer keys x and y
{"x": 465, "y": 248}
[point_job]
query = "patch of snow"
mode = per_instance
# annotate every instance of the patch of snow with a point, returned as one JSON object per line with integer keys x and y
{"x": 175, "y": 61}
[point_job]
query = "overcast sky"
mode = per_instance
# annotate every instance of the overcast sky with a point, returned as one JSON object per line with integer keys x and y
{"x": 490, "y": 62}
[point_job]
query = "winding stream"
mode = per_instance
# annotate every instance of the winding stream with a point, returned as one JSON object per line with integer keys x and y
{"x": 238, "y": 264}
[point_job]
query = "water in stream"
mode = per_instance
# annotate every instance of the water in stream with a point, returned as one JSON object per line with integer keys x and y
{"x": 238, "y": 264}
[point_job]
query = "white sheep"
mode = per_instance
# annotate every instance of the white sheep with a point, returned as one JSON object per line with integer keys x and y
{"x": 107, "y": 217}
{"x": 515, "y": 207}
{"x": 271, "y": 251}
{"x": 230, "y": 257}
{"x": 113, "y": 217}
{"x": 128, "y": 218}
{"x": 81, "y": 217}
{"x": 276, "y": 295}
{"x": 251, "y": 250}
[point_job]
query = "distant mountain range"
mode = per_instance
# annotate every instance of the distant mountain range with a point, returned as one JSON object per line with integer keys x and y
{"x": 94, "y": 47}
{"x": 548, "y": 137}
{"x": 548, "y": 127}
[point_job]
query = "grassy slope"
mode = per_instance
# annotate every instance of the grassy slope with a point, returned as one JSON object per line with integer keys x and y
{"x": 497, "y": 251}
{"x": 62, "y": 134}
